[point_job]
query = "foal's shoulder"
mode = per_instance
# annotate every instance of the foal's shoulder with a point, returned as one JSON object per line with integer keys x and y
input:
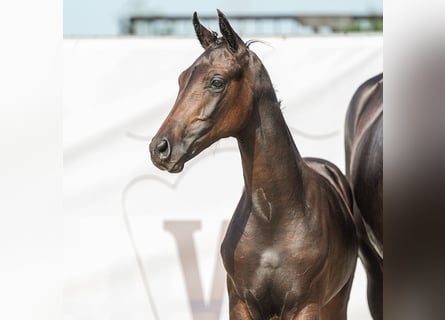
{"x": 334, "y": 177}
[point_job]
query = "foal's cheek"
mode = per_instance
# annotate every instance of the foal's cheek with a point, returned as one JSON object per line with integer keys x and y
{"x": 243, "y": 111}
{"x": 233, "y": 120}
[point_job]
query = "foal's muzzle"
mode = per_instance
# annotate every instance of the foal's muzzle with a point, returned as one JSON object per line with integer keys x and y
{"x": 160, "y": 151}
{"x": 163, "y": 149}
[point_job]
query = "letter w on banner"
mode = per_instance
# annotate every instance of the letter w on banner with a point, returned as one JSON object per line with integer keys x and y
{"x": 183, "y": 231}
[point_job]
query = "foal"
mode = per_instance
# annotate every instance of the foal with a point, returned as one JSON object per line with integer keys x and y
{"x": 290, "y": 249}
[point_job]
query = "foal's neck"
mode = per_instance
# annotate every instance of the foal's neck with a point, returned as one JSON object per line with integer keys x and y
{"x": 272, "y": 166}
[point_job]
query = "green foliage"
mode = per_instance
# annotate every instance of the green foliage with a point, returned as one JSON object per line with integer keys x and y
{"x": 372, "y": 25}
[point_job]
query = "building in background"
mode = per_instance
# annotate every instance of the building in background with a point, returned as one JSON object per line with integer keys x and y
{"x": 265, "y": 18}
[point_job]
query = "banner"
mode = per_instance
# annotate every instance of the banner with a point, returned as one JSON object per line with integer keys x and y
{"x": 144, "y": 244}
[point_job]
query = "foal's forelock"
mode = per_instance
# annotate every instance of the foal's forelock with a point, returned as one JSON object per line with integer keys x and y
{"x": 219, "y": 58}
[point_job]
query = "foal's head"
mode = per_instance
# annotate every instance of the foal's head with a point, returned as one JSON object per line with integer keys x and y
{"x": 214, "y": 99}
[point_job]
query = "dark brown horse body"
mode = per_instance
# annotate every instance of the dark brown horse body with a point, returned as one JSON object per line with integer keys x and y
{"x": 290, "y": 249}
{"x": 364, "y": 169}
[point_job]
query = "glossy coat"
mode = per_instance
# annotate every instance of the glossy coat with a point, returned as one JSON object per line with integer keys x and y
{"x": 290, "y": 250}
{"x": 364, "y": 170}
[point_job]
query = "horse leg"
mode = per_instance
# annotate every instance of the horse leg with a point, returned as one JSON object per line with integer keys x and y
{"x": 375, "y": 291}
{"x": 309, "y": 312}
{"x": 374, "y": 277}
{"x": 336, "y": 308}
{"x": 238, "y": 309}
{"x": 373, "y": 266}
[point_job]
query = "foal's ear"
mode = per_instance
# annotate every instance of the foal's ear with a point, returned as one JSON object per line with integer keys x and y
{"x": 205, "y": 37}
{"x": 233, "y": 39}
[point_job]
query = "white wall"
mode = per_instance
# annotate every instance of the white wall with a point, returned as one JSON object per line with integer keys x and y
{"x": 116, "y": 94}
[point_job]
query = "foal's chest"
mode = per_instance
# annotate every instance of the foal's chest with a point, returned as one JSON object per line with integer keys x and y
{"x": 269, "y": 262}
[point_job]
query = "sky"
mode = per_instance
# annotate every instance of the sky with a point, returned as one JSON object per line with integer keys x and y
{"x": 101, "y": 17}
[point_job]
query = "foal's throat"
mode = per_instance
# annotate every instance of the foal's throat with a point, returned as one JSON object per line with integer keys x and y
{"x": 272, "y": 166}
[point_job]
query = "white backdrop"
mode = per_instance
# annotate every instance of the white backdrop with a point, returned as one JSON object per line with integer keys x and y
{"x": 116, "y": 94}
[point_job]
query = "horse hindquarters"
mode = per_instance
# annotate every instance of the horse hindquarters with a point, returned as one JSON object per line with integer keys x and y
{"x": 364, "y": 167}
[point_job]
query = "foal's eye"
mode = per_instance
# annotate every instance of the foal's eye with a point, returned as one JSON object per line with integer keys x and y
{"x": 217, "y": 84}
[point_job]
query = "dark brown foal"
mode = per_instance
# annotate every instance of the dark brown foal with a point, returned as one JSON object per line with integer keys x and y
{"x": 364, "y": 169}
{"x": 290, "y": 250}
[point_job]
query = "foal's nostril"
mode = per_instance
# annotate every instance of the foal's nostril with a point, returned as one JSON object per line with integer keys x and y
{"x": 163, "y": 148}
{"x": 163, "y": 145}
